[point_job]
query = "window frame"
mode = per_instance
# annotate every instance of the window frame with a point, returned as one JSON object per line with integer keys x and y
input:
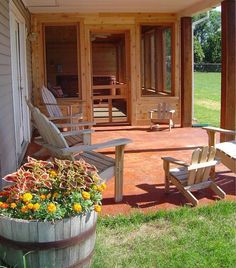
{"x": 163, "y": 91}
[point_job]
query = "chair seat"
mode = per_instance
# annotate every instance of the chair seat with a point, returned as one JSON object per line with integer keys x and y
{"x": 104, "y": 164}
{"x": 228, "y": 148}
{"x": 181, "y": 174}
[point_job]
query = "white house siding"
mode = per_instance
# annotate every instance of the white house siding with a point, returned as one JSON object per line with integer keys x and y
{"x": 26, "y": 15}
{"x": 8, "y": 158}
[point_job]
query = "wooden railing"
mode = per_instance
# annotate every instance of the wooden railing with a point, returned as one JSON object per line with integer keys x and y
{"x": 107, "y": 93}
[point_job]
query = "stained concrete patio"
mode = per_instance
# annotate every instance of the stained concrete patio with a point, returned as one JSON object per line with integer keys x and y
{"x": 143, "y": 171}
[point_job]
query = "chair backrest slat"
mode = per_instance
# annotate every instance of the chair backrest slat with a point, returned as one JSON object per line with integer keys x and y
{"x": 202, "y": 159}
{"x": 211, "y": 156}
{"x": 192, "y": 173}
{"x": 48, "y": 98}
{"x": 49, "y": 132}
{"x": 163, "y": 109}
{"x": 203, "y": 155}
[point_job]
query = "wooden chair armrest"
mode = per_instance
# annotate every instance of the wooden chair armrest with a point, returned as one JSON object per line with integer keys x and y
{"x": 153, "y": 111}
{"x": 108, "y": 144}
{"x": 79, "y": 124}
{"x": 80, "y": 115}
{"x": 175, "y": 161}
{"x": 220, "y": 130}
{"x": 77, "y": 132}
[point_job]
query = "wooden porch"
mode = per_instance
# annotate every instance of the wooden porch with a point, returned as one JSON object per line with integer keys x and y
{"x": 143, "y": 172}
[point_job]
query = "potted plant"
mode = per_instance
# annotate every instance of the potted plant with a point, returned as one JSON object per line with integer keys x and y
{"x": 48, "y": 214}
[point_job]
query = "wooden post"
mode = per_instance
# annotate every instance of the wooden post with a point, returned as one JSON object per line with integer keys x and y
{"x": 119, "y": 169}
{"x": 228, "y": 73}
{"x": 186, "y": 72}
{"x": 159, "y": 59}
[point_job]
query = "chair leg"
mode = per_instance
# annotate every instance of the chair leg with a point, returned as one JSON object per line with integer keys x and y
{"x": 216, "y": 189}
{"x": 166, "y": 166}
{"x": 189, "y": 196}
{"x": 119, "y": 170}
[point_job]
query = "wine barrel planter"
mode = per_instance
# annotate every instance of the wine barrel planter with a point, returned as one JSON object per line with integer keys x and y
{"x": 65, "y": 243}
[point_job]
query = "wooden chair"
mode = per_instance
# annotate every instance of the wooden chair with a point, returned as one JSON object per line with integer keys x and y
{"x": 52, "y": 139}
{"x": 163, "y": 114}
{"x": 56, "y": 115}
{"x": 54, "y": 109}
{"x": 226, "y": 151}
{"x": 193, "y": 176}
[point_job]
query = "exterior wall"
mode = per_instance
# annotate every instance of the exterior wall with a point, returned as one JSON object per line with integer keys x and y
{"x": 26, "y": 15}
{"x": 130, "y": 22}
{"x": 8, "y": 157}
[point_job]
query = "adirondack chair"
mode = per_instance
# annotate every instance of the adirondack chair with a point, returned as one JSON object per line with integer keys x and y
{"x": 226, "y": 151}
{"x": 56, "y": 115}
{"x": 52, "y": 139}
{"x": 74, "y": 137}
{"x": 193, "y": 176}
{"x": 163, "y": 114}
{"x": 54, "y": 109}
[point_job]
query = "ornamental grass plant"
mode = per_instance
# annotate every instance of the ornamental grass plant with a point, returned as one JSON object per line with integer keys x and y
{"x": 48, "y": 191}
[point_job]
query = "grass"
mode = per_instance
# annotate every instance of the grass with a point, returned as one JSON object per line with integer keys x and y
{"x": 207, "y": 94}
{"x": 185, "y": 237}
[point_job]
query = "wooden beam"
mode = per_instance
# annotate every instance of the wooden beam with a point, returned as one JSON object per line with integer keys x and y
{"x": 186, "y": 72}
{"x": 199, "y": 7}
{"x": 228, "y": 74}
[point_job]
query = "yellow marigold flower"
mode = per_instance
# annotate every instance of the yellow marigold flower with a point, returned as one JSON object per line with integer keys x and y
{"x": 77, "y": 207}
{"x": 100, "y": 188}
{"x": 97, "y": 208}
{"x": 27, "y": 197}
{"x": 52, "y": 173}
{"x": 43, "y": 196}
{"x": 86, "y": 195}
{"x": 30, "y": 206}
{"x": 95, "y": 187}
{"x": 24, "y": 209}
{"x": 55, "y": 195}
{"x": 104, "y": 186}
{"x": 36, "y": 206}
{"x": 51, "y": 208}
{"x": 13, "y": 205}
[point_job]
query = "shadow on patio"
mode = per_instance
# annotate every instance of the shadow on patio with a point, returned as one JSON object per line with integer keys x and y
{"x": 143, "y": 171}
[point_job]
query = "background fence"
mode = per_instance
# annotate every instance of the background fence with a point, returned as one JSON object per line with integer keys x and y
{"x": 207, "y": 67}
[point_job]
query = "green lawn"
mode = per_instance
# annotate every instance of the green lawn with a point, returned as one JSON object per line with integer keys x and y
{"x": 207, "y": 93}
{"x": 185, "y": 237}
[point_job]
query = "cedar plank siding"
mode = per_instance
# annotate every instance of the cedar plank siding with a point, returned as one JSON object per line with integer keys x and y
{"x": 8, "y": 157}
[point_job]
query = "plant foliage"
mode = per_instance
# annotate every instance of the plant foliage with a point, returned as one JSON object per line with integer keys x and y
{"x": 42, "y": 190}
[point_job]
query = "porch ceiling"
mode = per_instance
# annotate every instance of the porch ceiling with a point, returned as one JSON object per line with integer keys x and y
{"x": 180, "y": 7}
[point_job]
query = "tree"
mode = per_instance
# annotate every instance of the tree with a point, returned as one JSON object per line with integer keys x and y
{"x": 208, "y": 37}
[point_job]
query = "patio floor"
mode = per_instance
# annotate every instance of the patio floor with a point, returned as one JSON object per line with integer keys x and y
{"x": 143, "y": 171}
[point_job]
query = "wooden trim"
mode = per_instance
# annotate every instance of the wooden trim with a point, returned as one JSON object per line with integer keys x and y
{"x": 203, "y": 5}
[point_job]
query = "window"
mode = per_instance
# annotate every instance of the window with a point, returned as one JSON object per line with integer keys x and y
{"x": 156, "y": 60}
{"x": 61, "y": 50}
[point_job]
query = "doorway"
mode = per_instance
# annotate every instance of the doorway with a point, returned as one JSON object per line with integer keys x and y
{"x": 19, "y": 81}
{"x": 110, "y": 77}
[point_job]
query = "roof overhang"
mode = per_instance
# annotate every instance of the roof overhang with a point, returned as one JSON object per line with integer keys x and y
{"x": 178, "y": 7}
